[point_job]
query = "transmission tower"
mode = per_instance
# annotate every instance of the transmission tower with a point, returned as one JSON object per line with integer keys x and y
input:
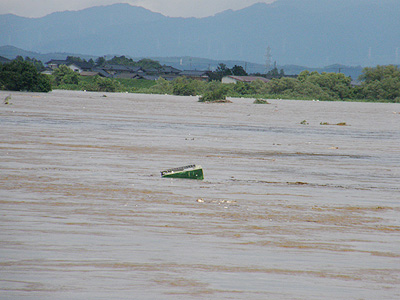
{"x": 268, "y": 59}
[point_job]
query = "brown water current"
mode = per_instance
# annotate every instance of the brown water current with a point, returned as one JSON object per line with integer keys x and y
{"x": 286, "y": 210}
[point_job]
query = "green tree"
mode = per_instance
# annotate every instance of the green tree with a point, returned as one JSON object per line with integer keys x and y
{"x": 162, "y": 86}
{"x": 215, "y": 91}
{"x": 121, "y": 60}
{"x": 336, "y": 85}
{"x": 37, "y": 63}
{"x": 221, "y": 71}
{"x": 100, "y": 61}
{"x": 72, "y": 59}
{"x": 274, "y": 73}
{"x": 238, "y": 71}
{"x": 379, "y": 73}
{"x": 19, "y": 58}
{"x": 302, "y": 77}
{"x": 244, "y": 88}
{"x": 64, "y": 75}
{"x": 259, "y": 87}
{"x": 310, "y": 90}
{"x": 147, "y": 63}
{"x": 20, "y": 75}
{"x": 381, "y": 82}
{"x": 283, "y": 85}
{"x": 183, "y": 86}
{"x": 106, "y": 84}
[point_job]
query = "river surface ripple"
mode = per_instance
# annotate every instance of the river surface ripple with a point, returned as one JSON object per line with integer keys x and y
{"x": 286, "y": 210}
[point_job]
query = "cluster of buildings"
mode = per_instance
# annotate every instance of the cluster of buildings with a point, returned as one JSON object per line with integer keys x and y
{"x": 131, "y": 72}
{"x": 121, "y": 71}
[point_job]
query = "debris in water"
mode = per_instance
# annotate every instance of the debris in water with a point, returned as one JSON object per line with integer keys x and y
{"x": 304, "y": 122}
{"x": 337, "y": 124}
{"x": 187, "y": 172}
{"x": 7, "y": 100}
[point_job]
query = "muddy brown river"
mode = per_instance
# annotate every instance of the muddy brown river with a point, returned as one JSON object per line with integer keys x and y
{"x": 289, "y": 208}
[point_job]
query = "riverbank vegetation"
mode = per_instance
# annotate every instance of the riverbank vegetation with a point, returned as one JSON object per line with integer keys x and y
{"x": 20, "y": 75}
{"x": 378, "y": 84}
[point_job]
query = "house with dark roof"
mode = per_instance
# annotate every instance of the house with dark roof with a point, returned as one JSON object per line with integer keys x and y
{"x": 55, "y": 63}
{"x": 123, "y": 71}
{"x": 79, "y": 66}
{"x": 120, "y": 71}
{"x": 97, "y": 71}
{"x": 151, "y": 77}
{"x": 113, "y": 69}
{"x": 198, "y": 75}
{"x": 132, "y": 73}
{"x": 168, "y": 70}
{"x": 151, "y": 71}
{"x": 76, "y": 66}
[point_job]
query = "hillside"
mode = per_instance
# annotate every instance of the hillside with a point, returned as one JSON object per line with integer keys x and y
{"x": 315, "y": 33}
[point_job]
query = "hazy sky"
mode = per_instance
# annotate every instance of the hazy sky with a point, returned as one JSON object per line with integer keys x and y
{"x": 173, "y": 8}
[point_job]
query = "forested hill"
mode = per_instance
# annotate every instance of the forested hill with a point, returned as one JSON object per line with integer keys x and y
{"x": 308, "y": 32}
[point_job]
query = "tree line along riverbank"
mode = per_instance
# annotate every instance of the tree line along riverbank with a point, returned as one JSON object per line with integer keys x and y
{"x": 377, "y": 84}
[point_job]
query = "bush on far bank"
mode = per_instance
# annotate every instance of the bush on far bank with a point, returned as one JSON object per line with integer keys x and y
{"x": 216, "y": 92}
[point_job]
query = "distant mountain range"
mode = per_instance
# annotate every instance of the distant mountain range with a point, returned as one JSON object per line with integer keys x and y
{"x": 308, "y": 32}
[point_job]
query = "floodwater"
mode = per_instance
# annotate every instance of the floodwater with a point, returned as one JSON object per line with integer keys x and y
{"x": 286, "y": 210}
